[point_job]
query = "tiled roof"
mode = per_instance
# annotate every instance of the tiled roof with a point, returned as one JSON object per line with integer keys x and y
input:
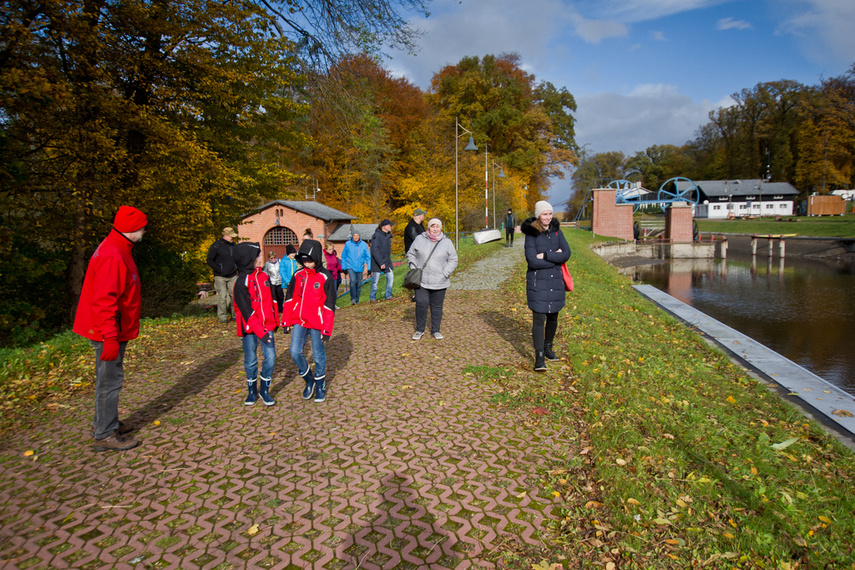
{"x": 310, "y": 208}
{"x": 744, "y": 187}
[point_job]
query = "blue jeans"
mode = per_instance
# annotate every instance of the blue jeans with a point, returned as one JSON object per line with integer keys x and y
{"x": 375, "y": 279}
{"x": 250, "y": 357}
{"x": 319, "y": 351}
{"x": 109, "y": 377}
{"x": 355, "y": 285}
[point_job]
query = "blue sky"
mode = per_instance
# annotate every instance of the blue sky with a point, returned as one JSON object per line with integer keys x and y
{"x": 643, "y": 72}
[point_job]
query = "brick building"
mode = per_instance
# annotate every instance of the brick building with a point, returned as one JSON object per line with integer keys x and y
{"x": 281, "y": 222}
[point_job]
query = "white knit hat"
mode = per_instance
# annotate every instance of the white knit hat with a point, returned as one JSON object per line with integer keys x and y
{"x": 435, "y": 221}
{"x": 541, "y": 207}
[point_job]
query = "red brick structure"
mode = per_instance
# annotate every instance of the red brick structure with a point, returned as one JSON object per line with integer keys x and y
{"x": 678, "y": 223}
{"x": 282, "y": 222}
{"x": 610, "y": 218}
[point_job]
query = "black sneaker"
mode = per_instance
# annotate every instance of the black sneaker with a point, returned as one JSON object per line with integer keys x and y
{"x": 116, "y": 442}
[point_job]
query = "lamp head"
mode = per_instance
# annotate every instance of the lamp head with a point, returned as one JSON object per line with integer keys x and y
{"x": 471, "y": 145}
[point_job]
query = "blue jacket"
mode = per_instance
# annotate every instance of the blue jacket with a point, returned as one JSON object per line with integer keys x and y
{"x": 544, "y": 284}
{"x": 355, "y": 256}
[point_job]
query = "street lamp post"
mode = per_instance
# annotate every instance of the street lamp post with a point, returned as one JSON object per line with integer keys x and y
{"x": 486, "y": 193}
{"x": 501, "y": 175}
{"x": 470, "y": 146}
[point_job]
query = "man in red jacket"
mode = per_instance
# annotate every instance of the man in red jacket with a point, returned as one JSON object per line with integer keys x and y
{"x": 108, "y": 314}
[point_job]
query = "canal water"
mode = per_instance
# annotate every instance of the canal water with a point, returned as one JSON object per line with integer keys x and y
{"x": 800, "y": 308}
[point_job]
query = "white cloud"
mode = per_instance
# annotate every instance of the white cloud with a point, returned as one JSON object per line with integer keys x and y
{"x": 594, "y": 31}
{"x": 650, "y": 114}
{"x": 658, "y": 36}
{"x": 630, "y": 11}
{"x": 823, "y": 25}
{"x": 731, "y": 24}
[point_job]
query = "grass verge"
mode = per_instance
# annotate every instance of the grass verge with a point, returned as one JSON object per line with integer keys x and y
{"x": 827, "y": 226}
{"x": 687, "y": 462}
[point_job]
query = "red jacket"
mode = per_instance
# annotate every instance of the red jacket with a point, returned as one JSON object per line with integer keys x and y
{"x": 310, "y": 301}
{"x": 255, "y": 311}
{"x": 109, "y": 305}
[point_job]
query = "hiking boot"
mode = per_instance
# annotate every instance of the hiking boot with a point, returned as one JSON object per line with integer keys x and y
{"x": 264, "y": 392}
{"x": 547, "y": 352}
{"x": 116, "y": 442}
{"x": 123, "y": 428}
{"x": 418, "y": 334}
{"x": 539, "y": 363}
{"x": 438, "y": 335}
{"x": 253, "y": 393}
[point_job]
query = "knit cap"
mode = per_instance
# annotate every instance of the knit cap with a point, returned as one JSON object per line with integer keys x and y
{"x": 129, "y": 219}
{"x": 541, "y": 207}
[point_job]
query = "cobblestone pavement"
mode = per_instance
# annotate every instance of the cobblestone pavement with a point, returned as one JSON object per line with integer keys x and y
{"x": 408, "y": 464}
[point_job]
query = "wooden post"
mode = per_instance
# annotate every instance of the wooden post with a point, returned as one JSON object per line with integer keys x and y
{"x": 754, "y": 245}
{"x": 724, "y": 248}
{"x": 771, "y": 245}
{"x": 781, "y": 246}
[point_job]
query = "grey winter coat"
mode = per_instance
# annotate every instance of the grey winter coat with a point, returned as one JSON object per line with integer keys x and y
{"x": 544, "y": 282}
{"x": 442, "y": 263}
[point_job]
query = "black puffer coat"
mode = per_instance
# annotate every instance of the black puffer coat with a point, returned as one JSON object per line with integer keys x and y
{"x": 544, "y": 283}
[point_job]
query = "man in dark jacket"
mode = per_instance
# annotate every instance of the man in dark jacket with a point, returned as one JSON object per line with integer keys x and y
{"x": 414, "y": 228}
{"x": 381, "y": 258}
{"x": 221, "y": 260}
{"x": 510, "y": 228}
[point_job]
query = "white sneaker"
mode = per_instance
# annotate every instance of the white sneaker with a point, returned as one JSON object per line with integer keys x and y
{"x": 417, "y": 335}
{"x": 437, "y": 335}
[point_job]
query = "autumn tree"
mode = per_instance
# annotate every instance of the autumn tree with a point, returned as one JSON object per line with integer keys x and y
{"x": 174, "y": 107}
{"x": 526, "y": 126}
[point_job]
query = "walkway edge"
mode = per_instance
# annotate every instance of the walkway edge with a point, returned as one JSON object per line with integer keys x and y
{"x": 828, "y": 403}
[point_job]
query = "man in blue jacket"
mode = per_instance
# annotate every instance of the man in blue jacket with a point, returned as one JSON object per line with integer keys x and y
{"x": 381, "y": 258}
{"x": 355, "y": 259}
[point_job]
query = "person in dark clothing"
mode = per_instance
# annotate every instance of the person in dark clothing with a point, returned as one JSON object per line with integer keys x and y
{"x": 510, "y": 228}
{"x": 414, "y": 228}
{"x": 381, "y": 259}
{"x": 221, "y": 261}
{"x": 546, "y": 249}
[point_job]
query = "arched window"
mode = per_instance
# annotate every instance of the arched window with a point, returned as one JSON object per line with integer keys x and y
{"x": 280, "y": 236}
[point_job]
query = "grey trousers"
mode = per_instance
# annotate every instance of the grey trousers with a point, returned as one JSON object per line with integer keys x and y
{"x": 109, "y": 377}
{"x": 224, "y": 286}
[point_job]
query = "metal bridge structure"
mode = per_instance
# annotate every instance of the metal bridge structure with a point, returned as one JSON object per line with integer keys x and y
{"x": 677, "y": 189}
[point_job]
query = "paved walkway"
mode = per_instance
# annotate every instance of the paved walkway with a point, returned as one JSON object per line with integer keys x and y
{"x": 407, "y": 464}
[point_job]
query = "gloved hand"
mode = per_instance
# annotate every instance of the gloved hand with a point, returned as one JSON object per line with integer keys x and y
{"x": 286, "y": 329}
{"x": 326, "y": 337}
{"x": 110, "y": 350}
{"x": 267, "y": 338}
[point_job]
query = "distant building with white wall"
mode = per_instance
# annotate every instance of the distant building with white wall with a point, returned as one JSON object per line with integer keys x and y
{"x": 722, "y": 199}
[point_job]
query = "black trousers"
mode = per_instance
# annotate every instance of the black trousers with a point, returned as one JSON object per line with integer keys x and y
{"x": 543, "y": 327}
{"x": 433, "y": 298}
{"x": 509, "y": 235}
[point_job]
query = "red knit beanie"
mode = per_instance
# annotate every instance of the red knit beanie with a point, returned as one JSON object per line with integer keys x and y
{"x": 129, "y": 219}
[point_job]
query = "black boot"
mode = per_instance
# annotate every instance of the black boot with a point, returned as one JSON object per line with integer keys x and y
{"x": 310, "y": 384}
{"x": 547, "y": 351}
{"x": 539, "y": 363}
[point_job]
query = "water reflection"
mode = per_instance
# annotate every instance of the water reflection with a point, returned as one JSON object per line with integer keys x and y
{"x": 802, "y": 309}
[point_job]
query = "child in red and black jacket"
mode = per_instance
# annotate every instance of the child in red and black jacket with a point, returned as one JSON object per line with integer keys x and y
{"x": 257, "y": 319}
{"x": 310, "y": 309}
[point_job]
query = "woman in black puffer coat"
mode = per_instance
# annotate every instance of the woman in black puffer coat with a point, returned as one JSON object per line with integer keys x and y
{"x": 546, "y": 250}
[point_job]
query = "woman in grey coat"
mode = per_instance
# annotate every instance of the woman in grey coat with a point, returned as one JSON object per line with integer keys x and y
{"x": 435, "y": 276}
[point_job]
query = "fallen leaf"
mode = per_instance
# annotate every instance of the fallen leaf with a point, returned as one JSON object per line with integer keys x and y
{"x": 544, "y": 565}
{"x": 28, "y": 453}
{"x": 620, "y": 462}
{"x": 632, "y": 501}
{"x": 784, "y": 444}
{"x": 540, "y": 411}
{"x": 731, "y": 400}
{"x": 842, "y": 413}
{"x": 253, "y": 530}
{"x": 157, "y": 422}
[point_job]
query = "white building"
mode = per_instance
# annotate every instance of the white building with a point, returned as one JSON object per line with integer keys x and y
{"x": 722, "y": 199}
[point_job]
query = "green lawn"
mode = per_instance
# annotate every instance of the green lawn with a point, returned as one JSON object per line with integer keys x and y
{"x": 686, "y": 461}
{"x": 826, "y": 226}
